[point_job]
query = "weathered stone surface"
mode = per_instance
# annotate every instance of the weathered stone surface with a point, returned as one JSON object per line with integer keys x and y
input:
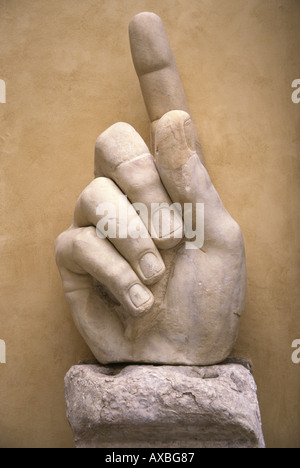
{"x": 163, "y": 406}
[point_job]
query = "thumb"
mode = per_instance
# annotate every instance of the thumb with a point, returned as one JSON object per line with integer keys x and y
{"x": 182, "y": 173}
{"x": 178, "y": 160}
{"x": 188, "y": 127}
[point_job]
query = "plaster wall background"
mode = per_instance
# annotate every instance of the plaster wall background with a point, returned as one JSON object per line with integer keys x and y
{"x": 69, "y": 75}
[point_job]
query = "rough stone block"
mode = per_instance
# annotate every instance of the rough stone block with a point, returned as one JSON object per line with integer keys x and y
{"x": 163, "y": 406}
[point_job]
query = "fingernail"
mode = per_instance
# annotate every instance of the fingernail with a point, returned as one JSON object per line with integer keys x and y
{"x": 139, "y": 295}
{"x": 151, "y": 267}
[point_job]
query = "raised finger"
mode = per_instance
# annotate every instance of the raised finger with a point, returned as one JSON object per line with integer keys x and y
{"x": 157, "y": 71}
{"x": 155, "y": 66}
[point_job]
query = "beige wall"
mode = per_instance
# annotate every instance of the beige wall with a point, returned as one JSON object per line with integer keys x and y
{"x": 68, "y": 72}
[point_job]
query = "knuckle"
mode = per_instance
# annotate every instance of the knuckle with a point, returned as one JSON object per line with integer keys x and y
{"x": 81, "y": 242}
{"x": 236, "y": 235}
{"x": 60, "y": 246}
{"x": 83, "y": 235}
{"x": 93, "y": 192}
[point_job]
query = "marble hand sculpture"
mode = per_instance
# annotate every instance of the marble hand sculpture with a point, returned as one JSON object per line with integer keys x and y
{"x": 149, "y": 298}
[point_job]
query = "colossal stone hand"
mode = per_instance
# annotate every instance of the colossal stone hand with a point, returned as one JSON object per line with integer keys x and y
{"x": 145, "y": 299}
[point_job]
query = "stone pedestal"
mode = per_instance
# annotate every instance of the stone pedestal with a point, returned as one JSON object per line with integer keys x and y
{"x": 147, "y": 406}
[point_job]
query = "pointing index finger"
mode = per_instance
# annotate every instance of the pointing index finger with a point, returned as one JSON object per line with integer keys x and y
{"x": 155, "y": 66}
